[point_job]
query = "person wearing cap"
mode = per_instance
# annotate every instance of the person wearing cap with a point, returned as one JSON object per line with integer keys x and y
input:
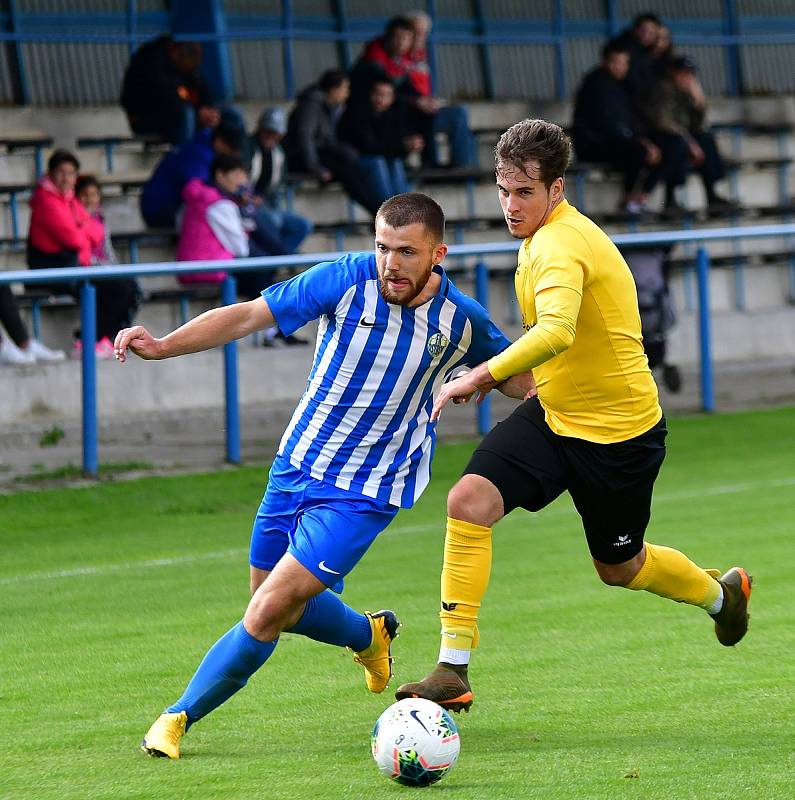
{"x": 273, "y": 230}
{"x": 282, "y": 230}
{"x": 676, "y": 114}
{"x": 606, "y": 129}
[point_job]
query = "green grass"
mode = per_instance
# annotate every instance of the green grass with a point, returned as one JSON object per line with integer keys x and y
{"x": 70, "y": 472}
{"x": 111, "y": 594}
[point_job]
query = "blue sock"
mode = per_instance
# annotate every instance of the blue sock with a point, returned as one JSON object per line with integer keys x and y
{"x": 327, "y": 619}
{"x": 226, "y": 668}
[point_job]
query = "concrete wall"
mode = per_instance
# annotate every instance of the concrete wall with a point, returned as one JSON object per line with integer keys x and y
{"x": 278, "y": 375}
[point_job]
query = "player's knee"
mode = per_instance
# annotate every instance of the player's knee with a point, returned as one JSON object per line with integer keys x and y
{"x": 618, "y": 574}
{"x": 474, "y": 499}
{"x": 267, "y": 616}
{"x": 611, "y": 577}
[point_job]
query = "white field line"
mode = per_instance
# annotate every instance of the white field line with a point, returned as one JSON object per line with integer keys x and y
{"x": 108, "y": 569}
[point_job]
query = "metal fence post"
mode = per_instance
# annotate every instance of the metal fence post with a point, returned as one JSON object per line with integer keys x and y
{"x": 707, "y": 388}
{"x": 88, "y": 339}
{"x": 482, "y": 296}
{"x": 228, "y": 297}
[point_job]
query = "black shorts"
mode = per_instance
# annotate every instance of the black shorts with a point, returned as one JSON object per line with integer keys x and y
{"x": 611, "y": 484}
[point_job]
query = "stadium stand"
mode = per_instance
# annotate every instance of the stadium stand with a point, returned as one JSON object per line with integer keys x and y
{"x": 503, "y": 62}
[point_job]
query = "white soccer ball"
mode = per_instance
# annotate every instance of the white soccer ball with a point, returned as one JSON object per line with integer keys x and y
{"x": 415, "y": 742}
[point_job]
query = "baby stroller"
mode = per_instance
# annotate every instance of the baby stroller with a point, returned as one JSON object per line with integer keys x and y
{"x": 650, "y": 267}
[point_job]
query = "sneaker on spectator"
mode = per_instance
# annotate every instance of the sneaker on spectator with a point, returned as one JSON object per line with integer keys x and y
{"x": 12, "y": 355}
{"x": 720, "y": 205}
{"x": 104, "y": 349}
{"x": 43, "y": 354}
{"x": 635, "y": 208}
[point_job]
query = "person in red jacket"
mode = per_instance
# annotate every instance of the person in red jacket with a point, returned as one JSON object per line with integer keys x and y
{"x": 400, "y": 55}
{"x": 63, "y": 234}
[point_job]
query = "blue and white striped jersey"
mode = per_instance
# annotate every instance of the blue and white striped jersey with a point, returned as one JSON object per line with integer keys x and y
{"x": 363, "y": 423}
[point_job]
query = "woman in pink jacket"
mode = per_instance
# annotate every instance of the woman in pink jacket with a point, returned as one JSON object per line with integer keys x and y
{"x": 63, "y": 234}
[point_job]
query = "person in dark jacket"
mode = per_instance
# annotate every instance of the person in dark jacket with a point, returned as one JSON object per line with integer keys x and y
{"x": 676, "y": 114}
{"x": 279, "y": 231}
{"x": 164, "y": 94}
{"x": 400, "y": 55}
{"x": 607, "y": 130}
{"x": 640, "y": 41}
{"x": 161, "y": 196}
{"x": 311, "y": 143}
{"x": 376, "y": 126}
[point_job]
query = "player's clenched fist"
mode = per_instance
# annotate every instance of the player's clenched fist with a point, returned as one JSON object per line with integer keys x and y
{"x": 139, "y": 340}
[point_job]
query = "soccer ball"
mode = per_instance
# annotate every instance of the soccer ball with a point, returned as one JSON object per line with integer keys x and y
{"x": 415, "y": 742}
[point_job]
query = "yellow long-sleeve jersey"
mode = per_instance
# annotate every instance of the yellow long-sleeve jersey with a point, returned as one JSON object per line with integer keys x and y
{"x": 583, "y": 341}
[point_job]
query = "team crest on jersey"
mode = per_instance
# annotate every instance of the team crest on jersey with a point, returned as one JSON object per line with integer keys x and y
{"x": 436, "y": 344}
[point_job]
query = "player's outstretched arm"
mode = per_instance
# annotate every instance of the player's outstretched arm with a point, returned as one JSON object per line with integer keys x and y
{"x": 211, "y": 329}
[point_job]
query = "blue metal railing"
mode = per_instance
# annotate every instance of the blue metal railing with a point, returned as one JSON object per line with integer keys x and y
{"x": 87, "y": 276}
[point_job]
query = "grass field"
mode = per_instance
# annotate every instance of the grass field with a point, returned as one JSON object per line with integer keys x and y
{"x": 110, "y": 596}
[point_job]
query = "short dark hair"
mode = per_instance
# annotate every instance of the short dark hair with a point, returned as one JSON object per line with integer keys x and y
{"x": 646, "y": 16}
{"x": 535, "y": 139}
{"x": 232, "y": 136}
{"x": 412, "y": 207}
{"x": 62, "y": 156}
{"x": 331, "y": 79}
{"x": 398, "y": 23}
{"x": 614, "y": 46}
{"x": 86, "y": 181}
{"x": 224, "y": 162}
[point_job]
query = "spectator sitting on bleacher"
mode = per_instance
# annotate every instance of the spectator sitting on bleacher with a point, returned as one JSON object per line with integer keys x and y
{"x": 279, "y": 232}
{"x": 89, "y": 193}
{"x": 163, "y": 92}
{"x": 63, "y": 234}
{"x": 662, "y": 50}
{"x": 453, "y": 121}
{"x": 606, "y": 129}
{"x": 161, "y": 196}
{"x": 676, "y": 111}
{"x": 20, "y": 348}
{"x": 376, "y": 126}
{"x": 213, "y": 229}
{"x": 400, "y": 55}
{"x": 312, "y": 145}
{"x": 639, "y": 41}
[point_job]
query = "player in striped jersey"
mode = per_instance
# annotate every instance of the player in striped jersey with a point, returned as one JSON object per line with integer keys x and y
{"x": 392, "y": 327}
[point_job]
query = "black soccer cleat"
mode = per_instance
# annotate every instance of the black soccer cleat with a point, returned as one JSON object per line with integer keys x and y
{"x": 731, "y": 622}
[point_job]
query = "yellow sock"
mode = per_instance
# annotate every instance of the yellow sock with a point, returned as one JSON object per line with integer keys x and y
{"x": 465, "y": 577}
{"x": 669, "y": 573}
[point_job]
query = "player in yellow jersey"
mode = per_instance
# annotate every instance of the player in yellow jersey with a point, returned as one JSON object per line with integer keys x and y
{"x": 594, "y": 426}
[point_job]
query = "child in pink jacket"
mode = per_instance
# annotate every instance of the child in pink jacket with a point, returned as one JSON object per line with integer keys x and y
{"x": 211, "y": 228}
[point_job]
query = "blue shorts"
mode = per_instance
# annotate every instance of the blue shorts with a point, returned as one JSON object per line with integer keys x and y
{"x": 324, "y": 528}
